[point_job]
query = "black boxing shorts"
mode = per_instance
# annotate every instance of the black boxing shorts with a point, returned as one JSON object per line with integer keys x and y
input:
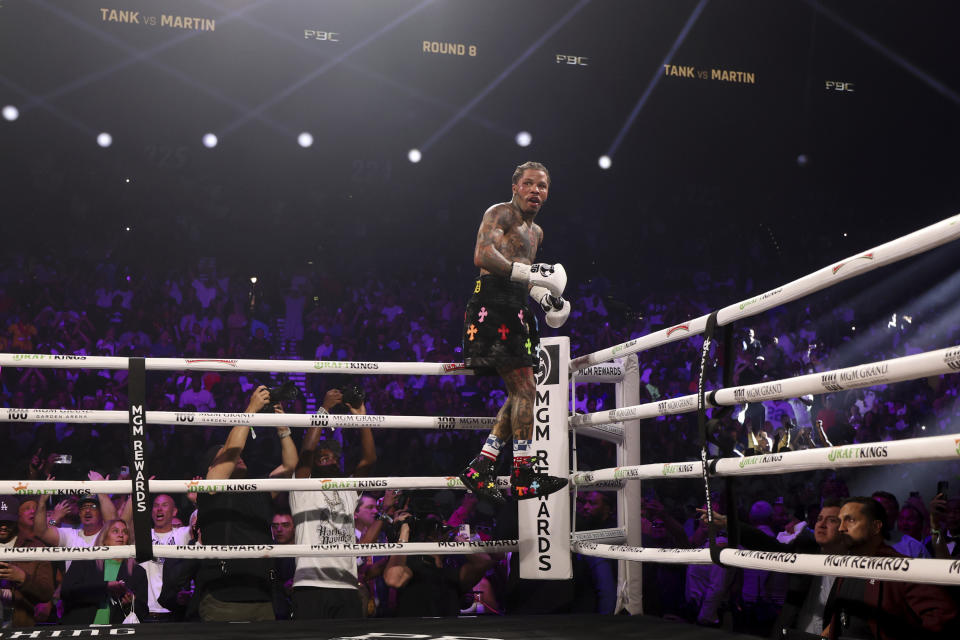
{"x": 499, "y": 330}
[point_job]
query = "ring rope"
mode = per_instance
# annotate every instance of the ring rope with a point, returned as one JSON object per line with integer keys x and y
{"x": 261, "y": 551}
{"x": 920, "y": 365}
{"x": 199, "y": 419}
{"x": 932, "y": 449}
{"x": 919, "y": 241}
{"x": 87, "y": 487}
{"x": 219, "y": 364}
{"x": 926, "y": 570}
{"x": 614, "y": 535}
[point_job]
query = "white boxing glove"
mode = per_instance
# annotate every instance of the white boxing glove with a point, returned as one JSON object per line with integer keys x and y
{"x": 556, "y": 308}
{"x": 551, "y": 276}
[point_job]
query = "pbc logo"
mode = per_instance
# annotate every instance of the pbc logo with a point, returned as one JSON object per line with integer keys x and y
{"x": 323, "y": 36}
{"x": 833, "y": 85}
{"x": 185, "y": 417}
{"x": 549, "y": 372}
{"x": 577, "y": 61}
{"x": 319, "y": 420}
{"x": 446, "y": 423}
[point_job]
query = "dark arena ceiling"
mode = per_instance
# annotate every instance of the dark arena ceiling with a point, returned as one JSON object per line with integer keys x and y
{"x": 731, "y": 127}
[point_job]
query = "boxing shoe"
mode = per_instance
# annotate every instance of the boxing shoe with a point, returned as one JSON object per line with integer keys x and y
{"x": 528, "y": 483}
{"x": 480, "y": 477}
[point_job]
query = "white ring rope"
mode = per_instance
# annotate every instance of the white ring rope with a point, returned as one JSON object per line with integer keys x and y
{"x": 607, "y": 536}
{"x": 220, "y": 364}
{"x": 926, "y": 570}
{"x": 917, "y": 242}
{"x": 869, "y": 454}
{"x": 199, "y": 419}
{"x": 920, "y": 365}
{"x": 609, "y": 372}
{"x": 88, "y": 487}
{"x": 261, "y": 551}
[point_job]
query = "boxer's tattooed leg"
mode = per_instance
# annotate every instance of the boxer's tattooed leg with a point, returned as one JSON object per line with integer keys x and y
{"x": 522, "y": 389}
{"x": 503, "y": 427}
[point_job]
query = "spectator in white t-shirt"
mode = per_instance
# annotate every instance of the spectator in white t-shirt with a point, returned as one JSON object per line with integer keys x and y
{"x": 164, "y": 513}
{"x": 94, "y": 511}
{"x": 326, "y": 587}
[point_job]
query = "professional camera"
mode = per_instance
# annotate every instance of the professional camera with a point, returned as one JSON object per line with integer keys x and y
{"x": 425, "y": 524}
{"x": 353, "y": 396}
{"x": 285, "y": 393}
{"x": 424, "y": 527}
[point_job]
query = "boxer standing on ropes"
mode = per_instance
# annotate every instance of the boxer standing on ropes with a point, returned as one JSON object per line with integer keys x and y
{"x": 501, "y": 335}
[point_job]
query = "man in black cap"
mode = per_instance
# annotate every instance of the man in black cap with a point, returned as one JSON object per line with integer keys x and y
{"x": 23, "y": 585}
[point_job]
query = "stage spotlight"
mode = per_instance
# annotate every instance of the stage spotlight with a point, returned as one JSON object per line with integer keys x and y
{"x": 524, "y": 138}
{"x": 10, "y": 113}
{"x": 414, "y": 155}
{"x": 802, "y": 160}
{"x": 604, "y": 162}
{"x": 253, "y": 279}
{"x": 305, "y": 139}
{"x": 104, "y": 140}
{"x": 209, "y": 140}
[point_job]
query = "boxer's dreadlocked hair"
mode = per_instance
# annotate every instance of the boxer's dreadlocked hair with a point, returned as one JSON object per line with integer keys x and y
{"x": 536, "y": 166}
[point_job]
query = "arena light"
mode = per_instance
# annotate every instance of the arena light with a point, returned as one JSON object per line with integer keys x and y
{"x": 524, "y": 138}
{"x": 253, "y": 279}
{"x": 10, "y": 113}
{"x": 305, "y": 139}
{"x": 104, "y": 139}
{"x": 605, "y": 162}
{"x": 414, "y": 155}
{"x": 209, "y": 140}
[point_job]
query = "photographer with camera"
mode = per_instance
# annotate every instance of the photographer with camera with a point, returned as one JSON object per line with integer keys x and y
{"x": 239, "y": 590}
{"x": 431, "y": 585}
{"x": 328, "y": 587}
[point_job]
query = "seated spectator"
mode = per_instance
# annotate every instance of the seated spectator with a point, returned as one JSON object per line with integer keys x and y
{"x": 431, "y": 585}
{"x": 861, "y": 608}
{"x": 104, "y": 591}
{"x": 709, "y": 586}
{"x": 282, "y": 529}
{"x": 895, "y": 538}
{"x": 806, "y": 595}
{"x": 944, "y": 527}
{"x": 23, "y": 585}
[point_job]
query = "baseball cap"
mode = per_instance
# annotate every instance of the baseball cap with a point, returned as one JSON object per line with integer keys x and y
{"x": 91, "y": 499}
{"x": 9, "y": 508}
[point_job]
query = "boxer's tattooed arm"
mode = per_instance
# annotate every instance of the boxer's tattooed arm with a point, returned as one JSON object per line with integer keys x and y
{"x": 503, "y": 239}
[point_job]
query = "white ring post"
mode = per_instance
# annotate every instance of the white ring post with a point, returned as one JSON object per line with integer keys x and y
{"x": 544, "y": 523}
{"x": 630, "y": 574}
